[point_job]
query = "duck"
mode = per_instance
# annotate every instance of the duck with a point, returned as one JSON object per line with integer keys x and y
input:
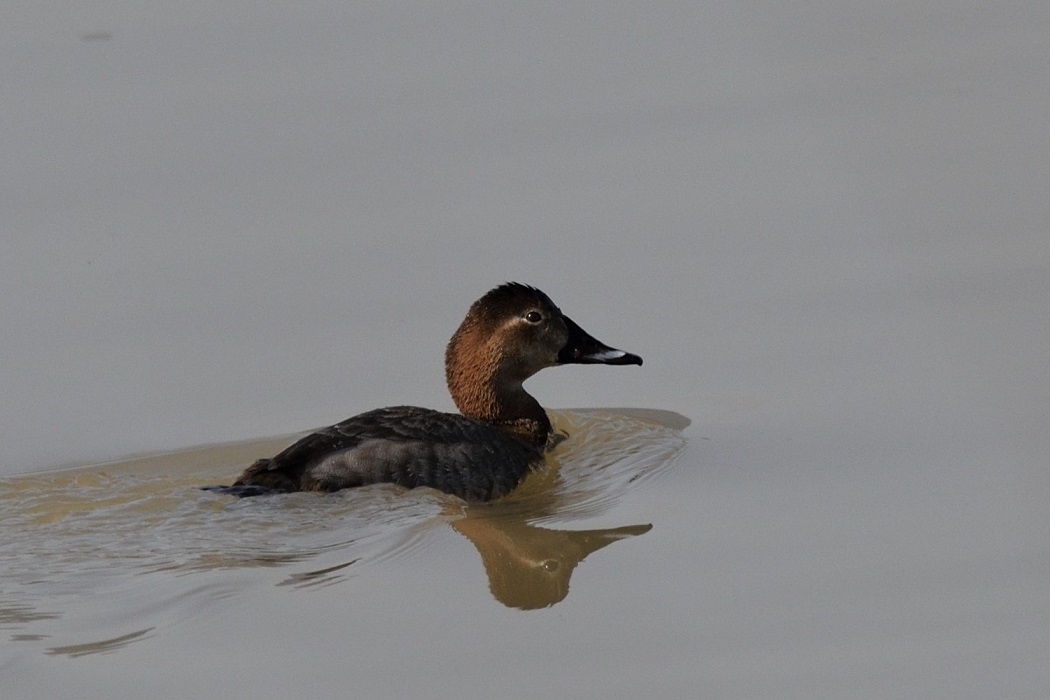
{"x": 481, "y": 453}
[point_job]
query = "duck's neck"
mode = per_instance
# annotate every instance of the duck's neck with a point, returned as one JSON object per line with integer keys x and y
{"x": 481, "y": 391}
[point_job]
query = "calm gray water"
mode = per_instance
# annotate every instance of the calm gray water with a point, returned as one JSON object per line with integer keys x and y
{"x": 824, "y": 228}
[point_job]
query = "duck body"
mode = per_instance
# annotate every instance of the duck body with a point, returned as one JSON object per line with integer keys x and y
{"x": 404, "y": 445}
{"x": 481, "y": 454}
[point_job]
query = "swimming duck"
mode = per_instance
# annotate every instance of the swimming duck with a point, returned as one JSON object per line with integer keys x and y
{"x": 507, "y": 336}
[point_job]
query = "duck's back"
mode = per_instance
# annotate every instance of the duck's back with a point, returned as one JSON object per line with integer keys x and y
{"x": 404, "y": 445}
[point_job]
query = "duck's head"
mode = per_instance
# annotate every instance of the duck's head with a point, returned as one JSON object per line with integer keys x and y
{"x": 510, "y": 334}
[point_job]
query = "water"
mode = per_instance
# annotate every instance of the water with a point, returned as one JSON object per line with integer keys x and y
{"x": 142, "y": 530}
{"x": 824, "y": 227}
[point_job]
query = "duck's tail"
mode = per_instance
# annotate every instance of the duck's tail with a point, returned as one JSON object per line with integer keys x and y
{"x": 257, "y": 480}
{"x": 240, "y": 490}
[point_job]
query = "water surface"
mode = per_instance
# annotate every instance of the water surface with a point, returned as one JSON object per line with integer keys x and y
{"x": 823, "y": 225}
{"x": 101, "y": 557}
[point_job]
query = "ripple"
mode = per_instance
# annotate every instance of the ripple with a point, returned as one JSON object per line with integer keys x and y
{"x": 149, "y": 513}
{"x": 102, "y": 646}
{"x": 140, "y": 532}
{"x": 602, "y": 453}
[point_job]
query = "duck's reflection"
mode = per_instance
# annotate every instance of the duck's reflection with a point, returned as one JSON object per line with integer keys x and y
{"x": 529, "y": 567}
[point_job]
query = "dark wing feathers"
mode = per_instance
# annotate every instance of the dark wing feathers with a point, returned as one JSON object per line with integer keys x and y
{"x": 401, "y": 444}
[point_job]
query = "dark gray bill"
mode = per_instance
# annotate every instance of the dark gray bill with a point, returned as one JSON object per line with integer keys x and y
{"x": 584, "y": 349}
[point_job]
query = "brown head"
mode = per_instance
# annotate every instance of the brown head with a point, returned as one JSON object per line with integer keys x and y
{"x": 508, "y": 335}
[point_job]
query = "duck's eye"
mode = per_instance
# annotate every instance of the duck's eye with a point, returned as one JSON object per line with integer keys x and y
{"x": 534, "y": 317}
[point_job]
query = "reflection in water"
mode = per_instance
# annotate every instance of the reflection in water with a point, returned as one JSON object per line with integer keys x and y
{"x": 86, "y": 551}
{"x": 529, "y": 567}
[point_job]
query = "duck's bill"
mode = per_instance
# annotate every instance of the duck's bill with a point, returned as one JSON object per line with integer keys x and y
{"x": 584, "y": 349}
